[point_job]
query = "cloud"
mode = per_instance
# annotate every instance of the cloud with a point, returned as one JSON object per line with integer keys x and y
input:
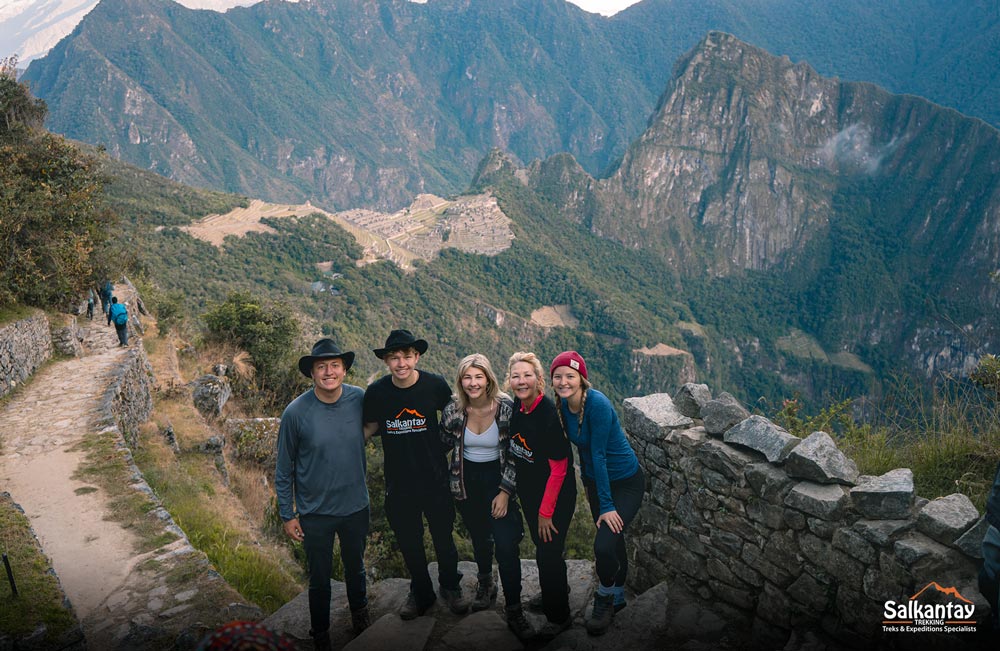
{"x": 852, "y": 147}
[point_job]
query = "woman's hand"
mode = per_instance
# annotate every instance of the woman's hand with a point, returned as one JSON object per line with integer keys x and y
{"x": 500, "y": 504}
{"x": 613, "y": 520}
{"x": 546, "y": 529}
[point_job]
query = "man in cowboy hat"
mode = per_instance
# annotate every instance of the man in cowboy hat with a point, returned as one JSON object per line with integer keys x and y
{"x": 402, "y": 407}
{"x": 320, "y": 482}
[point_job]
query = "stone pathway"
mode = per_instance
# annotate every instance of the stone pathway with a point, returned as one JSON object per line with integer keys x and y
{"x": 122, "y": 601}
{"x": 40, "y": 426}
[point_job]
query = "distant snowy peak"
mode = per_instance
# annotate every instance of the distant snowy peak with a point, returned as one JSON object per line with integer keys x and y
{"x": 30, "y": 28}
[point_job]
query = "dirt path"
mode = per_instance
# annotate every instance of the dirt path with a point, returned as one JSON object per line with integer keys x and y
{"x": 91, "y": 555}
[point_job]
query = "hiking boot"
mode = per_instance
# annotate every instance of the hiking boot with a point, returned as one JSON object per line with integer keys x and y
{"x": 360, "y": 619}
{"x": 552, "y": 629}
{"x": 602, "y": 614}
{"x": 410, "y": 609}
{"x": 321, "y": 641}
{"x": 535, "y": 603}
{"x": 486, "y": 593}
{"x": 453, "y": 599}
{"x": 518, "y": 623}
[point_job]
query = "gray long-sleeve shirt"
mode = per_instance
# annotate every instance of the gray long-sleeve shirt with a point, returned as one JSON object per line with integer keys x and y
{"x": 321, "y": 456}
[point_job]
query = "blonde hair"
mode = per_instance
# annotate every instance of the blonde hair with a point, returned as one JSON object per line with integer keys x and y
{"x": 529, "y": 358}
{"x": 476, "y": 360}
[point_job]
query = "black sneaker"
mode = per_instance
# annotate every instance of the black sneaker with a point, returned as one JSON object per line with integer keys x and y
{"x": 518, "y": 623}
{"x": 360, "y": 619}
{"x": 410, "y": 609}
{"x": 453, "y": 599}
{"x": 602, "y": 614}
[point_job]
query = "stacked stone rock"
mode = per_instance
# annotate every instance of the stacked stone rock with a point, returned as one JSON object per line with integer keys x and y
{"x": 68, "y": 339}
{"x": 784, "y": 529}
{"x": 24, "y": 346}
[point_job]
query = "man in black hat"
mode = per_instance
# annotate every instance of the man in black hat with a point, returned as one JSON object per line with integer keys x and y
{"x": 402, "y": 407}
{"x": 320, "y": 482}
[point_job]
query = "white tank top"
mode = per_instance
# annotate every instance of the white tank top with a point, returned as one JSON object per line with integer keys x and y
{"x": 482, "y": 447}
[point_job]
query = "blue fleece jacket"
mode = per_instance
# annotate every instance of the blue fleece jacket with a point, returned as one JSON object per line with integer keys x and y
{"x": 605, "y": 453}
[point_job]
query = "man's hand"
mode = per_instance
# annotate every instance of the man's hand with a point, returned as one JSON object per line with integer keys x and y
{"x": 294, "y": 530}
{"x": 370, "y": 429}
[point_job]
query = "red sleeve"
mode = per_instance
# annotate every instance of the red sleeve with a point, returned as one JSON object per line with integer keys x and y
{"x": 557, "y": 473}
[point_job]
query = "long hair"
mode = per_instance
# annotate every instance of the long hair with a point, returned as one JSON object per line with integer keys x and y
{"x": 530, "y": 358}
{"x": 476, "y": 360}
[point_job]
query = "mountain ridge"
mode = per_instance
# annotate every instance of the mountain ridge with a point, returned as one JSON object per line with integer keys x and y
{"x": 368, "y": 103}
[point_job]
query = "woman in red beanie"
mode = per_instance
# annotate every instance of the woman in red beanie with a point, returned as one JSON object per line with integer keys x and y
{"x": 611, "y": 476}
{"x": 546, "y": 484}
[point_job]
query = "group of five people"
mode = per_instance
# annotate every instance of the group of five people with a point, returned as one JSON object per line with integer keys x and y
{"x": 509, "y": 455}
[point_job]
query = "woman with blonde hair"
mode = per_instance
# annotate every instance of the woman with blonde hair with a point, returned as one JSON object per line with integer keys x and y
{"x": 546, "y": 483}
{"x": 483, "y": 481}
{"x": 611, "y": 476}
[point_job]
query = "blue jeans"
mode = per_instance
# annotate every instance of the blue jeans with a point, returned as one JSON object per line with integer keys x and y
{"x": 319, "y": 531}
{"x": 482, "y": 483}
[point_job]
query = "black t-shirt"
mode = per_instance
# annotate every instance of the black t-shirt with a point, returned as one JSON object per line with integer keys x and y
{"x": 535, "y": 438}
{"x": 408, "y": 424}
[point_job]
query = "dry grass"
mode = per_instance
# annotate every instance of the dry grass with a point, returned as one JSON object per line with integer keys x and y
{"x": 225, "y": 522}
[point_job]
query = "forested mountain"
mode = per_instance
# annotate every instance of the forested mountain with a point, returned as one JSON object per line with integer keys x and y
{"x": 771, "y": 232}
{"x": 368, "y": 102}
{"x": 869, "y": 220}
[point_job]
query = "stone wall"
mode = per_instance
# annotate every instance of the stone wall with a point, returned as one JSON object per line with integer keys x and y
{"x": 784, "y": 530}
{"x": 128, "y": 400}
{"x": 24, "y": 346}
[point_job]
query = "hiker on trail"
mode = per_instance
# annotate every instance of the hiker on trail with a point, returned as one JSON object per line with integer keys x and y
{"x": 989, "y": 574}
{"x": 402, "y": 407}
{"x": 320, "y": 483}
{"x": 546, "y": 484}
{"x": 611, "y": 476}
{"x": 90, "y": 304}
{"x": 483, "y": 482}
{"x": 118, "y": 315}
{"x": 105, "y": 293}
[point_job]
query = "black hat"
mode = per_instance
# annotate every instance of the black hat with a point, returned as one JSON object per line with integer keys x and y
{"x": 400, "y": 339}
{"x": 324, "y": 349}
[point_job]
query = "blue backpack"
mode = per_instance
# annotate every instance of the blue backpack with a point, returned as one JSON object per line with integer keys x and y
{"x": 119, "y": 316}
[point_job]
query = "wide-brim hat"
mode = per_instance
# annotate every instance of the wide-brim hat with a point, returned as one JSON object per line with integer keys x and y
{"x": 324, "y": 349}
{"x": 399, "y": 340}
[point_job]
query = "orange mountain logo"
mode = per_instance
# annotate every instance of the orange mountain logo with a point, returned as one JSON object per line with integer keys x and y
{"x": 411, "y": 412}
{"x": 517, "y": 438}
{"x": 951, "y": 592}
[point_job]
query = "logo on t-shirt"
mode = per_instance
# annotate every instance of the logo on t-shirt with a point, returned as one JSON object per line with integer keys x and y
{"x": 520, "y": 449}
{"x": 415, "y": 424}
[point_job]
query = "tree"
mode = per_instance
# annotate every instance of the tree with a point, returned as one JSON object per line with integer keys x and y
{"x": 52, "y": 219}
{"x": 266, "y": 330}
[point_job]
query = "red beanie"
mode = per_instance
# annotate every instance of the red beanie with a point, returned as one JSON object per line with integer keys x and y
{"x": 572, "y": 359}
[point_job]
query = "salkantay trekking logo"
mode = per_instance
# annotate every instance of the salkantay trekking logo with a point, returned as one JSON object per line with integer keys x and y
{"x": 519, "y": 448}
{"x": 400, "y": 425}
{"x": 950, "y": 613}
